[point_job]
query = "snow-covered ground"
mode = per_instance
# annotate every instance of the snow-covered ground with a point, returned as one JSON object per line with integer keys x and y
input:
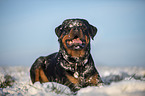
{"x": 118, "y": 81}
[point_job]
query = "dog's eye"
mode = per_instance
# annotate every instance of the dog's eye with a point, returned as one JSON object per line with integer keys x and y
{"x": 67, "y": 29}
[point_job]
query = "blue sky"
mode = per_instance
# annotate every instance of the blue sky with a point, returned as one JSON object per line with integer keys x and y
{"x": 27, "y": 29}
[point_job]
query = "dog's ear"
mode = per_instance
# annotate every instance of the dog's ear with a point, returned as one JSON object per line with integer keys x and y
{"x": 93, "y": 31}
{"x": 58, "y": 30}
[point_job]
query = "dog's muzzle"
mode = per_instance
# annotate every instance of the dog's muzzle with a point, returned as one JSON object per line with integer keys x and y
{"x": 76, "y": 40}
{"x": 75, "y": 43}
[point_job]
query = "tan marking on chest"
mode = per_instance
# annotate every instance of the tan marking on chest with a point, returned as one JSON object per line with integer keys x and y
{"x": 93, "y": 79}
{"x": 72, "y": 79}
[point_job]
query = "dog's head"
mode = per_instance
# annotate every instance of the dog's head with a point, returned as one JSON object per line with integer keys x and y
{"x": 74, "y": 36}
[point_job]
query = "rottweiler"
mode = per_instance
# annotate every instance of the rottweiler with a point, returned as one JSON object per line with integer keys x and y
{"x": 73, "y": 65}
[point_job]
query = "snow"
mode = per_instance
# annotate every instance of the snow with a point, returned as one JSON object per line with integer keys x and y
{"x": 123, "y": 88}
{"x": 118, "y": 81}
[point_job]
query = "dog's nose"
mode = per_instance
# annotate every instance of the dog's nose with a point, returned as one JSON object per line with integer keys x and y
{"x": 75, "y": 29}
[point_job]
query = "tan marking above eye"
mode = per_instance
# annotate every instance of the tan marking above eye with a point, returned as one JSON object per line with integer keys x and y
{"x": 81, "y": 24}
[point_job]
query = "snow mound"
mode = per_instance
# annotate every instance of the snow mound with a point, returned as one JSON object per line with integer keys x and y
{"x": 118, "y": 81}
{"x": 123, "y": 88}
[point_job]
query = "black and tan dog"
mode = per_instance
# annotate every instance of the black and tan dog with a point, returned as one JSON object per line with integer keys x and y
{"x": 73, "y": 65}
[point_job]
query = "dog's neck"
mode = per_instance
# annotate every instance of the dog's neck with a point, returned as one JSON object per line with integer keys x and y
{"x": 79, "y": 67}
{"x": 72, "y": 60}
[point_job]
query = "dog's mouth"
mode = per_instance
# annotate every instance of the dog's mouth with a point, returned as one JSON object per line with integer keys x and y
{"x": 76, "y": 43}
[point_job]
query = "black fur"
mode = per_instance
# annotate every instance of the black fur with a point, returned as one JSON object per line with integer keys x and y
{"x": 57, "y": 65}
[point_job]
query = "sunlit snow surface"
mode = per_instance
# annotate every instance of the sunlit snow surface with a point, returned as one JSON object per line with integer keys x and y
{"x": 118, "y": 81}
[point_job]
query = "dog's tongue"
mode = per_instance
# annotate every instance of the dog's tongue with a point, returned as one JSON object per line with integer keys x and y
{"x": 76, "y": 41}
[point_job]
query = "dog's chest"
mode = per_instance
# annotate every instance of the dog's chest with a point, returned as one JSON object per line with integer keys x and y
{"x": 77, "y": 73}
{"x": 76, "y": 69}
